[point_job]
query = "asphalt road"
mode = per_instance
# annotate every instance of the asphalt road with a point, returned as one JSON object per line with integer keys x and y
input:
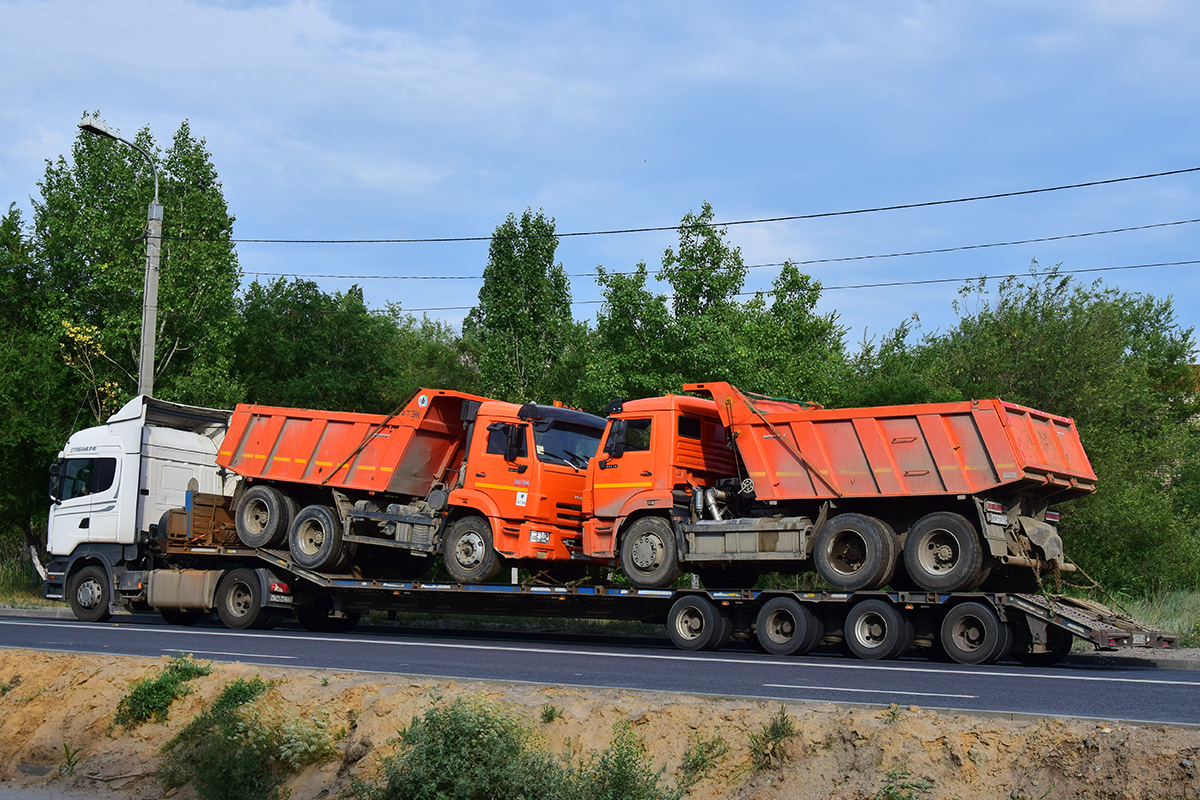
{"x": 1109, "y": 693}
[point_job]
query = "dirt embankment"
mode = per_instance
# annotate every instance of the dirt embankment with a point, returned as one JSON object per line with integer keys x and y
{"x": 52, "y": 700}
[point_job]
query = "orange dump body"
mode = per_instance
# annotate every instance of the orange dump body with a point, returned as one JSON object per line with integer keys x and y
{"x": 404, "y": 454}
{"x": 793, "y": 451}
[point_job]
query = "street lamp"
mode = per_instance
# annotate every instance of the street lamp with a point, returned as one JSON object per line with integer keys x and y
{"x": 153, "y": 244}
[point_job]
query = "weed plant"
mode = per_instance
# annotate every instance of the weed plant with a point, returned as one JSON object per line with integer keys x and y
{"x": 766, "y": 746}
{"x": 1175, "y": 611}
{"x": 897, "y": 786}
{"x": 19, "y": 585}
{"x": 243, "y": 747}
{"x": 471, "y": 749}
{"x": 151, "y": 697}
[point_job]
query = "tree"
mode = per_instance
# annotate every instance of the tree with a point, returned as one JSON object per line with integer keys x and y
{"x": 527, "y": 345}
{"x": 88, "y": 240}
{"x": 774, "y": 343}
{"x": 298, "y": 346}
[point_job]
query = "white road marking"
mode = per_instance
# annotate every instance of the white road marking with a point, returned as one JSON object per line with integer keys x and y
{"x": 843, "y": 664}
{"x": 868, "y": 691}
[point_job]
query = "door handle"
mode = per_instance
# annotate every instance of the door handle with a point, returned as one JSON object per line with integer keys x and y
{"x": 646, "y": 473}
{"x": 480, "y": 475}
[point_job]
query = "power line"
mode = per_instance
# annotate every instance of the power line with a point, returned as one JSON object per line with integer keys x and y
{"x": 892, "y": 284}
{"x": 808, "y": 262}
{"x": 789, "y": 218}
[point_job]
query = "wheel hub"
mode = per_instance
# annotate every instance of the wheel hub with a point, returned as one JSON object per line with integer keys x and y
{"x": 88, "y": 594}
{"x": 468, "y": 550}
{"x": 647, "y": 552}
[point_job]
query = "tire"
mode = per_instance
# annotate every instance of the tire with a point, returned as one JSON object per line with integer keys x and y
{"x": 315, "y": 540}
{"x": 181, "y": 616}
{"x": 855, "y": 552}
{"x": 239, "y": 602}
{"x": 649, "y": 553}
{"x": 90, "y": 592}
{"x": 943, "y": 553}
{"x": 468, "y": 551}
{"x": 785, "y": 627}
{"x": 972, "y": 633}
{"x": 264, "y": 517}
{"x": 1058, "y": 646}
{"x": 876, "y": 630}
{"x": 694, "y": 623}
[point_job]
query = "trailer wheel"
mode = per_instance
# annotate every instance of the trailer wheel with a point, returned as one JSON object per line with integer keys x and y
{"x": 239, "y": 602}
{"x": 264, "y": 516}
{"x": 89, "y": 592}
{"x": 649, "y": 554}
{"x": 972, "y": 633}
{"x": 315, "y": 540}
{"x": 943, "y": 554}
{"x": 694, "y": 623}
{"x": 786, "y": 627}
{"x": 877, "y": 630}
{"x": 855, "y": 552}
{"x": 468, "y": 551}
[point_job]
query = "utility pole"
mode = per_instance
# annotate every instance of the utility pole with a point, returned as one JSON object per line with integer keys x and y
{"x": 153, "y": 246}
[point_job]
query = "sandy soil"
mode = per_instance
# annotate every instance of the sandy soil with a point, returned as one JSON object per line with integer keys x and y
{"x": 52, "y": 700}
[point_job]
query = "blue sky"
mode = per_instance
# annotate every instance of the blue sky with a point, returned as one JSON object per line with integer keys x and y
{"x": 366, "y": 120}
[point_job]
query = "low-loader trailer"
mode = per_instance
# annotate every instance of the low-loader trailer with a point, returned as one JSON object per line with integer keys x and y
{"x": 151, "y": 512}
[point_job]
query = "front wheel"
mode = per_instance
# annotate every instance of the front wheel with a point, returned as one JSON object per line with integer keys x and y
{"x": 649, "y": 554}
{"x": 469, "y": 553}
{"x": 89, "y": 593}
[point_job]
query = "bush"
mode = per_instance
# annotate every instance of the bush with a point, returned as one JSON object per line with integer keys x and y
{"x": 151, "y": 698}
{"x": 470, "y": 749}
{"x": 242, "y": 747}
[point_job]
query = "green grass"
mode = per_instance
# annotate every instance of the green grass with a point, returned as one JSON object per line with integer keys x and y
{"x": 152, "y": 696}
{"x": 19, "y": 585}
{"x": 1176, "y": 612}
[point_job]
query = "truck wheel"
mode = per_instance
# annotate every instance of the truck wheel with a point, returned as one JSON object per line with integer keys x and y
{"x": 649, "y": 554}
{"x": 855, "y": 552}
{"x": 694, "y": 623}
{"x": 876, "y": 630}
{"x": 264, "y": 516}
{"x": 972, "y": 633}
{"x": 89, "y": 593}
{"x": 469, "y": 553}
{"x": 943, "y": 554}
{"x": 315, "y": 540}
{"x": 239, "y": 602}
{"x": 786, "y": 627}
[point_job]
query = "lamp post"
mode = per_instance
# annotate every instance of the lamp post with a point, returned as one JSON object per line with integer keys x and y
{"x": 153, "y": 244}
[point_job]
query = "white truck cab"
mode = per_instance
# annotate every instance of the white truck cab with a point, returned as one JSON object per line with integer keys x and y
{"x": 112, "y": 482}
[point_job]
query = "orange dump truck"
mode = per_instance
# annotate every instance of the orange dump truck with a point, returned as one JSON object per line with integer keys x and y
{"x": 942, "y": 497}
{"x": 471, "y": 478}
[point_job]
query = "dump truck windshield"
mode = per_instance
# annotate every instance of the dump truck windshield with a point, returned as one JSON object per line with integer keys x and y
{"x": 564, "y": 442}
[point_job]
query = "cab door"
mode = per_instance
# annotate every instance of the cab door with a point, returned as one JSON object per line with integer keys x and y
{"x": 624, "y": 466}
{"x": 500, "y": 466}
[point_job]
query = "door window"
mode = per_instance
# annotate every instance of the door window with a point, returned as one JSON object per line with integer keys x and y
{"x": 85, "y": 476}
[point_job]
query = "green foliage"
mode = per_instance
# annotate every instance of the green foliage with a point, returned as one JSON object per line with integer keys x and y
{"x": 701, "y": 757}
{"x": 766, "y": 746}
{"x": 527, "y": 345}
{"x": 470, "y": 748}
{"x": 70, "y": 760}
{"x": 550, "y": 713}
{"x": 897, "y": 786}
{"x": 1176, "y": 612}
{"x": 151, "y": 697}
{"x": 243, "y": 746}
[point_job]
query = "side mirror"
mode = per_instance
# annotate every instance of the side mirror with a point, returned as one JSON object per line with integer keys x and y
{"x": 614, "y": 446}
{"x": 514, "y": 433}
{"x": 55, "y": 489}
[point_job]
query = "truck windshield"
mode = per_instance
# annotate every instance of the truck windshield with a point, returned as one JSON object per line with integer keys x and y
{"x": 562, "y": 442}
